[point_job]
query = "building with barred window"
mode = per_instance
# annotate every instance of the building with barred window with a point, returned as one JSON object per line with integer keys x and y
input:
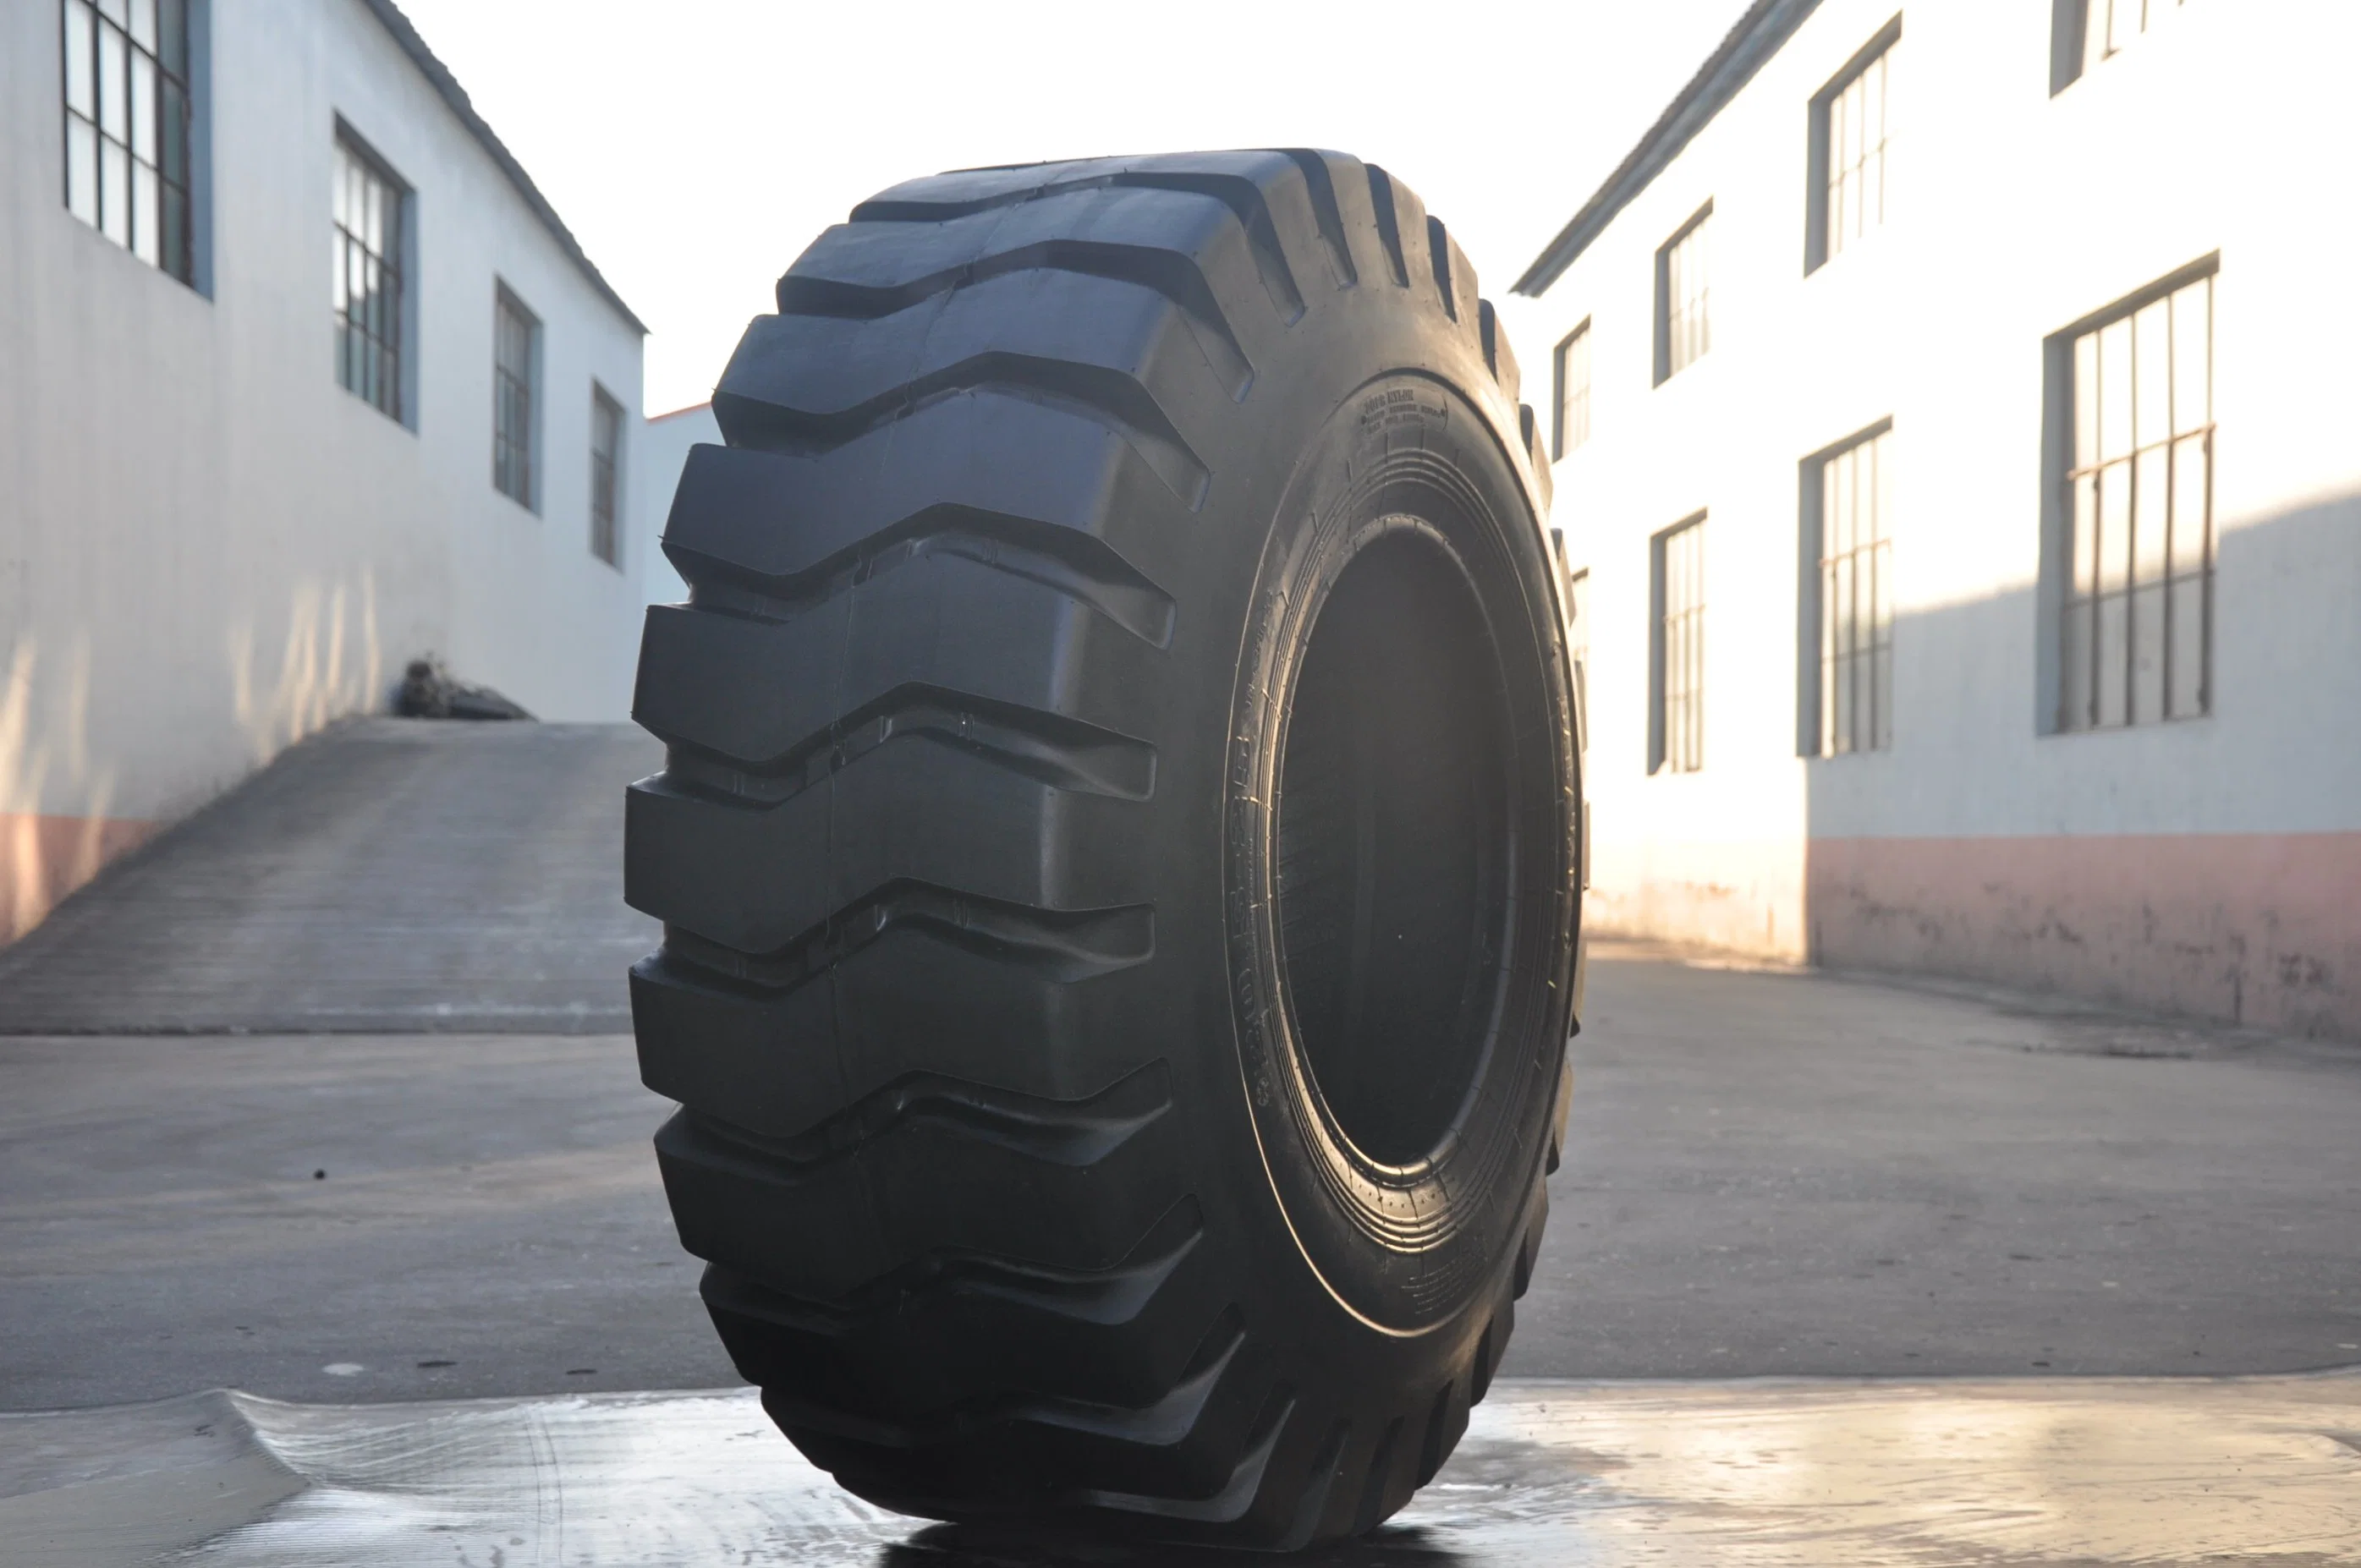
{"x": 1954, "y": 426}
{"x": 301, "y": 378}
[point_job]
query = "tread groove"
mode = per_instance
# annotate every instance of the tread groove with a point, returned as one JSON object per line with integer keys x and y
{"x": 1077, "y": 1133}
{"x": 1060, "y": 945}
{"x": 1312, "y": 1506}
{"x": 1081, "y": 566}
{"x": 1050, "y": 748}
{"x": 1110, "y": 396}
{"x": 1381, "y": 198}
{"x": 1238, "y": 192}
{"x": 1107, "y": 1297}
{"x": 1237, "y": 1494}
{"x": 1160, "y": 1424}
{"x": 1438, "y": 253}
{"x": 1327, "y": 214}
{"x": 1438, "y": 1423}
{"x": 1245, "y": 198}
{"x": 1372, "y": 1509}
{"x": 1168, "y": 273}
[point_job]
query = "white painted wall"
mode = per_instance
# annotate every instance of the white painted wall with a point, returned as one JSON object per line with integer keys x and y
{"x": 208, "y": 548}
{"x": 2230, "y": 126}
{"x": 664, "y": 443}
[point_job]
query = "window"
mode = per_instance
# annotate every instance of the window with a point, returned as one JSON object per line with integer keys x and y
{"x": 1849, "y": 623}
{"x": 128, "y": 126}
{"x": 1571, "y": 420}
{"x": 516, "y": 385}
{"x": 605, "y": 462}
{"x": 1676, "y": 673}
{"x": 2084, "y": 32}
{"x": 1847, "y": 151}
{"x": 368, "y": 297}
{"x": 1682, "y": 331}
{"x": 2135, "y": 632}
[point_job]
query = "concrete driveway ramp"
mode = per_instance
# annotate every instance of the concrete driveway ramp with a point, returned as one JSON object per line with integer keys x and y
{"x": 388, "y": 876}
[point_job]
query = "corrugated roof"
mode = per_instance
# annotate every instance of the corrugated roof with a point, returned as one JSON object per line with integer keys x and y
{"x": 1766, "y": 24}
{"x": 456, "y": 96}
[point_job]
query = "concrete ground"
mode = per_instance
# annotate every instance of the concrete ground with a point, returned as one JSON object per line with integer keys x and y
{"x": 1767, "y": 1173}
{"x": 1804, "y": 1174}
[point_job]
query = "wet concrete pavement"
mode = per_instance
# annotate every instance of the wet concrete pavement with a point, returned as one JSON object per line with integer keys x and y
{"x": 1797, "y": 1475}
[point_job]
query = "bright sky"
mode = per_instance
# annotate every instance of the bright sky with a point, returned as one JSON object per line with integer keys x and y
{"x": 697, "y": 146}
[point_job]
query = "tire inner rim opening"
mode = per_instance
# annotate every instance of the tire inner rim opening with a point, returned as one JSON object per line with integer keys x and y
{"x": 1391, "y": 869}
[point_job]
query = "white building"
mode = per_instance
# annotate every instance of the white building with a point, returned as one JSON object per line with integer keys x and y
{"x": 300, "y": 379}
{"x": 663, "y": 452}
{"x": 1956, "y": 422}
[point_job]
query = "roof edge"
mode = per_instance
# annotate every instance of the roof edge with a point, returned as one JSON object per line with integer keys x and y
{"x": 456, "y": 98}
{"x": 1756, "y": 37}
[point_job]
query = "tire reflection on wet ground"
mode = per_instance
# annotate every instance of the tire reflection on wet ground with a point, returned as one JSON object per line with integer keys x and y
{"x": 1809, "y": 1474}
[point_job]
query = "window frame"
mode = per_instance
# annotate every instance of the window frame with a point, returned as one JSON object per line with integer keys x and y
{"x": 1877, "y": 51}
{"x": 512, "y": 454}
{"x": 1678, "y": 749}
{"x": 1560, "y": 388}
{"x": 400, "y": 343}
{"x": 1666, "y": 368}
{"x": 179, "y": 28}
{"x": 2070, "y": 36}
{"x": 2061, "y": 597}
{"x": 607, "y": 476}
{"x": 1814, "y": 659}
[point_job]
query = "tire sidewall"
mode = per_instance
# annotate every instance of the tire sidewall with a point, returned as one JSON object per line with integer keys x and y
{"x": 1405, "y": 1251}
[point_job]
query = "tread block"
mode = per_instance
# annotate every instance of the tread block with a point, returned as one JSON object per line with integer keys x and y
{"x": 1185, "y": 245}
{"x": 1558, "y": 1113}
{"x": 916, "y": 998}
{"x": 1500, "y": 357}
{"x": 925, "y": 1187}
{"x": 958, "y": 841}
{"x": 1446, "y": 1423}
{"x": 1402, "y": 221}
{"x": 1237, "y": 1493}
{"x": 1322, "y": 172}
{"x": 797, "y": 531}
{"x": 931, "y": 198}
{"x": 1266, "y": 190}
{"x": 1455, "y": 275}
{"x": 1536, "y": 454}
{"x": 1181, "y": 1443}
{"x": 770, "y": 705}
{"x": 1110, "y": 351}
{"x": 948, "y": 1329}
{"x": 1440, "y": 253}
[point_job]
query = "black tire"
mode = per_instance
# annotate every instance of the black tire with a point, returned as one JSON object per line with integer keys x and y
{"x": 1048, "y": 812}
